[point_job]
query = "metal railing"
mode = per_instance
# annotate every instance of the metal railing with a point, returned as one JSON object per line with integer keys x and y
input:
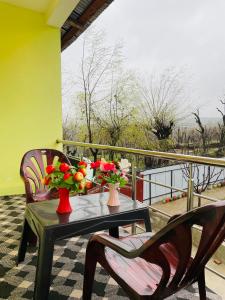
{"x": 190, "y": 159}
{"x": 163, "y": 155}
{"x": 171, "y": 175}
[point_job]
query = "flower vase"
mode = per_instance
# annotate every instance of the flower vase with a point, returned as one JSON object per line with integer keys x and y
{"x": 64, "y": 201}
{"x": 113, "y": 199}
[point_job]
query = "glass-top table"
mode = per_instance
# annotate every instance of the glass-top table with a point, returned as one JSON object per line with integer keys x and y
{"x": 90, "y": 214}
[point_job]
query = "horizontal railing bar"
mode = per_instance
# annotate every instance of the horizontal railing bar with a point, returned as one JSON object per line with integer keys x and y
{"x": 161, "y": 184}
{"x": 177, "y": 189}
{"x": 173, "y": 188}
{"x": 140, "y": 227}
{"x": 157, "y": 196}
{"x": 159, "y": 211}
{"x": 206, "y": 197}
{"x": 163, "y": 155}
{"x": 215, "y": 272}
{"x": 167, "y": 171}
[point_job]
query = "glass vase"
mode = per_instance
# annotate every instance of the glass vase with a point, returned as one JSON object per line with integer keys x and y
{"x": 64, "y": 201}
{"x": 113, "y": 199}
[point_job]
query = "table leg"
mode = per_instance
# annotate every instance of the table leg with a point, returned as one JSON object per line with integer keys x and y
{"x": 114, "y": 232}
{"x": 23, "y": 242}
{"x": 148, "y": 226}
{"x": 44, "y": 267}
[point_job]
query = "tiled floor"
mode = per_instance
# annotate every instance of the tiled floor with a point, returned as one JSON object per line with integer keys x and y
{"x": 17, "y": 282}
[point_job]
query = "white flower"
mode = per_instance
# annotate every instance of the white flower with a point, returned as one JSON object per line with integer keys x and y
{"x": 124, "y": 165}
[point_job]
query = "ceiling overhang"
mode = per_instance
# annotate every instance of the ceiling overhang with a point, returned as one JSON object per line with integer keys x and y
{"x": 72, "y": 16}
{"x": 82, "y": 16}
{"x": 58, "y": 11}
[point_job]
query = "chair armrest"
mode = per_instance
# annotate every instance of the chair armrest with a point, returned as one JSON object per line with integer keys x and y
{"x": 121, "y": 246}
{"x": 173, "y": 218}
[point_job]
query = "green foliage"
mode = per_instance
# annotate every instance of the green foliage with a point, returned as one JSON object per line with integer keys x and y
{"x": 56, "y": 179}
{"x": 112, "y": 178}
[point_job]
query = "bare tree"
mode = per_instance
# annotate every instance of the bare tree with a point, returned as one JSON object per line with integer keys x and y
{"x": 161, "y": 106}
{"x": 202, "y": 130}
{"x": 118, "y": 109}
{"x": 97, "y": 63}
{"x": 203, "y": 177}
{"x": 162, "y": 128}
{"x": 221, "y": 127}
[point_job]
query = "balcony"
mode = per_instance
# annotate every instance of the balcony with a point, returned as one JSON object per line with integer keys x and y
{"x": 17, "y": 282}
{"x": 30, "y": 90}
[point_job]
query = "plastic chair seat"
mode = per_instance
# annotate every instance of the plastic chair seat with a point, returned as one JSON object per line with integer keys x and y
{"x": 149, "y": 275}
{"x": 157, "y": 266}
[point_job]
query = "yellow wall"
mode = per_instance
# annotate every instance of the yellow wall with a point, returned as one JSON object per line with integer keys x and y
{"x": 30, "y": 90}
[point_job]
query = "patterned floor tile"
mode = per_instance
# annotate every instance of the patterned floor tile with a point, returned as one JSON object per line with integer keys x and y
{"x": 17, "y": 282}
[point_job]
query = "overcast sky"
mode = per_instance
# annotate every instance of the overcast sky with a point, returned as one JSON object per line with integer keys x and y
{"x": 156, "y": 34}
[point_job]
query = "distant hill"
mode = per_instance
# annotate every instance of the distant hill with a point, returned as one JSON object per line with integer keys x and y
{"x": 190, "y": 122}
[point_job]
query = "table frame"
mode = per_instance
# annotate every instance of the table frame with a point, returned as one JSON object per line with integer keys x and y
{"x": 48, "y": 235}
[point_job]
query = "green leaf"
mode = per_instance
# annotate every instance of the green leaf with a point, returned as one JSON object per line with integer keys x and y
{"x": 69, "y": 180}
{"x": 57, "y": 165}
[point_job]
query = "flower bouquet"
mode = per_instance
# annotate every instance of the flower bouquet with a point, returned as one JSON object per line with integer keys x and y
{"x": 112, "y": 173}
{"x": 66, "y": 179}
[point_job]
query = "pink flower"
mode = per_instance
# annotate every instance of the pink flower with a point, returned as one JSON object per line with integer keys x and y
{"x": 105, "y": 167}
{"x": 125, "y": 178}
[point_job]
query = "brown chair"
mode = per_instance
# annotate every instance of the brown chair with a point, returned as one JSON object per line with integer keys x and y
{"x": 32, "y": 171}
{"x": 157, "y": 266}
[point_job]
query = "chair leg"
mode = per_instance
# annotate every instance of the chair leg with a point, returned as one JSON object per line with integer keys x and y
{"x": 89, "y": 273}
{"x": 201, "y": 286}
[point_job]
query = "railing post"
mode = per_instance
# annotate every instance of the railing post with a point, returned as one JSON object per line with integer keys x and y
{"x": 133, "y": 188}
{"x": 134, "y": 179}
{"x": 171, "y": 184}
{"x": 190, "y": 196}
{"x": 150, "y": 189}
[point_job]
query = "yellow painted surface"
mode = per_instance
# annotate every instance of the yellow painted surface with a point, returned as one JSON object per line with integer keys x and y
{"x": 30, "y": 90}
{"x": 36, "y": 5}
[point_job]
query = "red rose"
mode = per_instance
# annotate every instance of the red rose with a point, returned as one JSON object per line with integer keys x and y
{"x": 64, "y": 167}
{"x": 82, "y": 163}
{"x": 66, "y": 176}
{"x": 105, "y": 167}
{"x": 49, "y": 169}
{"x": 96, "y": 164}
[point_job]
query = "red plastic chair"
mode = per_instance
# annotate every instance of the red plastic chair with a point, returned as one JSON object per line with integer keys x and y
{"x": 32, "y": 171}
{"x": 157, "y": 266}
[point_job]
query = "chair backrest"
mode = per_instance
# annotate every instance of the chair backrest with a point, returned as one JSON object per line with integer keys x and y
{"x": 177, "y": 236}
{"x": 32, "y": 169}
